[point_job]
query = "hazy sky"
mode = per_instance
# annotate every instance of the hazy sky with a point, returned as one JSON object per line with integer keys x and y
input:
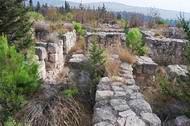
{"x": 179, "y": 5}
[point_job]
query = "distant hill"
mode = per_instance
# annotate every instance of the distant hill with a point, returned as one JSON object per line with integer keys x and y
{"x": 111, "y": 6}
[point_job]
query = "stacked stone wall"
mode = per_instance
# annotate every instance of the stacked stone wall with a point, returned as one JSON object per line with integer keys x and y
{"x": 51, "y": 56}
{"x": 119, "y": 102}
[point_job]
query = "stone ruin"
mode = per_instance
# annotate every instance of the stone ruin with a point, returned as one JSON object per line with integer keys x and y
{"x": 165, "y": 51}
{"x": 52, "y": 56}
{"x": 105, "y": 39}
{"x": 119, "y": 102}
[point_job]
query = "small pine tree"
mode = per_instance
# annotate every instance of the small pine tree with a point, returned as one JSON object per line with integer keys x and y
{"x": 186, "y": 27}
{"x": 97, "y": 57}
{"x": 67, "y": 6}
{"x": 96, "y": 69}
{"x": 14, "y": 22}
{"x": 134, "y": 42}
{"x": 31, "y": 4}
{"x": 38, "y": 6}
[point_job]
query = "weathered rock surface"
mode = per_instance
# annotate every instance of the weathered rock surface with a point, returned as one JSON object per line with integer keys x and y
{"x": 105, "y": 39}
{"x": 177, "y": 71}
{"x": 51, "y": 56}
{"x": 145, "y": 65}
{"x": 165, "y": 50}
{"x": 119, "y": 103}
{"x": 182, "y": 121}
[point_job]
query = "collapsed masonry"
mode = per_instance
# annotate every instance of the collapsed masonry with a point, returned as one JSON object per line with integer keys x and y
{"x": 165, "y": 51}
{"x": 51, "y": 56}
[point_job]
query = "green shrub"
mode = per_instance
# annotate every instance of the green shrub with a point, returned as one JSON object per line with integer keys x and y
{"x": 179, "y": 89}
{"x": 35, "y": 16}
{"x": 79, "y": 29}
{"x": 70, "y": 92}
{"x": 69, "y": 16}
{"x": 135, "y": 43}
{"x": 18, "y": 78}
{"x": 14, "y": 22}
{"x": 186, "y": 27}
{"x": 11, "y": 122}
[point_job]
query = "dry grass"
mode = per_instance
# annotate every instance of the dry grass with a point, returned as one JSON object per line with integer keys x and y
{"x": 79, "y": 46}
{"x": 55, "y": 111}
{"x": 58, "y": 27}
{"x": 125, "y": 55}
{"x": 111, "y": 65}
{"x": 112, "y": 68}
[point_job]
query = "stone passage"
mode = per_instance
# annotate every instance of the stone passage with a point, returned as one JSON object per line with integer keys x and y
{"x": 119, "y": 102}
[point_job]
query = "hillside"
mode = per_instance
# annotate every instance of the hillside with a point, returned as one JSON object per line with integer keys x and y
{"x": 166, "y": 14}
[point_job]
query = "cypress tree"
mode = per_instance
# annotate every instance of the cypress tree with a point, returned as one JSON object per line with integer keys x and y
{"x": 38, "y": 6}
{"x": 67, "y": 6}
{"x": 31, "y": 4}
{"x": 15, "y": 23}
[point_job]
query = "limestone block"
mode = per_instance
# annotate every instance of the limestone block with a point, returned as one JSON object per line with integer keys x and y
{"x": 177, "y": 71}
{"x": 52, "y": 48}
{"x": 145, "y": 65}
{"x": 104, "y": 114}
{"x": 140, "y": 105}
{"x": 127, "y": 113}
{"x": 101, "y": 95}
{"x": 53, "y": 58}
{"x": 182, "y": 121}
{"x": 134, "y": 121}
{"x": 41, "y": 52}
{"x": 42, "y": 69}
{"x": 151, "y": 119}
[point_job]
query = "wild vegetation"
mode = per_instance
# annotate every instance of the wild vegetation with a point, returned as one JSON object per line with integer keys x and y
{"x": 135, "y": 42}
{"x": 22, "y": 24}
{"x": 18, "y": 80}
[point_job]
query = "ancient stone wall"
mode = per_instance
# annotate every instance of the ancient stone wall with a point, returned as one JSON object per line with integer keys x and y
{"x": 105, "y": 39}
{"x": 119, "y": 102}
{"x": 166, "y": 51}
{"x": 51, "y": 56}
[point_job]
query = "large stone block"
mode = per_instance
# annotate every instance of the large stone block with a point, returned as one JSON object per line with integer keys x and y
{"x": 182, "y": 121}
{"x": 151, "y": 119}
{"x": 42, "y": 69}
{"x": 53, "y": 58}
{"x": 140, "y": 105}
{"x": 41, "y": 52}
{"x": 145, "y": 65}
{"x": 104, "y": 114}
{"x": 52, "y": 48}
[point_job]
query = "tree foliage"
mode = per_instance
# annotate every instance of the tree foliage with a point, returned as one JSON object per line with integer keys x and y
{"x": 134, "y": 41}
{"x": 18, "y": 78}
{"x": 15, "y": 24}
{"x": 67, "y": 6}
{"x": 79, "y": 28}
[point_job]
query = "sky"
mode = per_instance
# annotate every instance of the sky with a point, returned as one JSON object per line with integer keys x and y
{"x": 179, "y": 5}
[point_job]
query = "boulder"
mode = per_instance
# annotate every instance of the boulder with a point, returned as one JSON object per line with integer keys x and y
{"x": 182, "y": 121}
{"x": 150, "y": 119}
{"x": 101, "y": 95}
{"x": 140, "y": 105}
{"x": 41, "y": 52}
{"x": 104, "y": 114}
{"x": 134, "y": 121}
